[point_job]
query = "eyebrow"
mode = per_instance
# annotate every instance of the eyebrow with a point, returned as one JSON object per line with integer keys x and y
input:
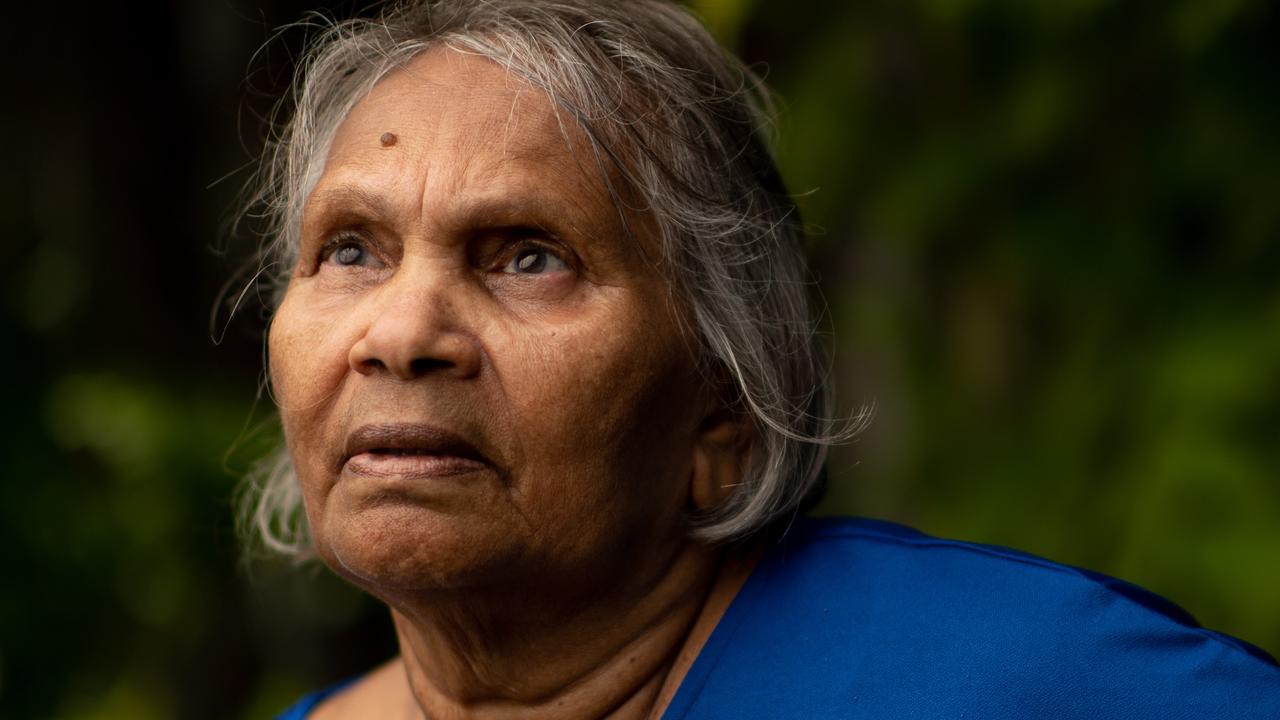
{"x": 347, "y": 196}
{"x": 522, "y": 206}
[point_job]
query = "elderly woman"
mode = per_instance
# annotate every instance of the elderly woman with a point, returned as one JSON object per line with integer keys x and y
{"x": 549, "y": 387}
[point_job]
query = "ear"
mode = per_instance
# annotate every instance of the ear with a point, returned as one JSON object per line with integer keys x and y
{"x": 720, "y": 453}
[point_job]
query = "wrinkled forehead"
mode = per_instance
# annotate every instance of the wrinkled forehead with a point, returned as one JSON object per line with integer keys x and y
{"x": 489, "y": 126}
{"x": 441, "y": 87}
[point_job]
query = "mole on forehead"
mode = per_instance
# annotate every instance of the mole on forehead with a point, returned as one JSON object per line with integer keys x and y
{"x": 388, "y": 139}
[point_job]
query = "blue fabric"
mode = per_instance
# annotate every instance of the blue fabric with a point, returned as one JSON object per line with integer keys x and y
{"x": 866, "y": 619}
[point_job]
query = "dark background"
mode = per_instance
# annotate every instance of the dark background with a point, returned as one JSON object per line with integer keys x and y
{"x": 1048, "y": 233}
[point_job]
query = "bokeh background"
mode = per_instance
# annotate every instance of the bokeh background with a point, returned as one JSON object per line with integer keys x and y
{"x": 1048, "y": 234}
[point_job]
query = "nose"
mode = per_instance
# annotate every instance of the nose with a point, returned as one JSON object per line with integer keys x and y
{"x": 415, "y": 329}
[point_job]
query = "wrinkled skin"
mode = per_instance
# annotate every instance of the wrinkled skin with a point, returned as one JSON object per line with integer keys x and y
{"x": 474, "y": 276}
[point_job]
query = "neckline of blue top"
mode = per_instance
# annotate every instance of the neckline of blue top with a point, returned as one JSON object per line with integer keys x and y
{"x": 864, "y": 618}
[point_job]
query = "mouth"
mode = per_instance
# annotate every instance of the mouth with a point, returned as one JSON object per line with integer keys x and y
{"x": 410, "y": 450}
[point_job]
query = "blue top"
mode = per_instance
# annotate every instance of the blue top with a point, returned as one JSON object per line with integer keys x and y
{"x": 860, "y": 618}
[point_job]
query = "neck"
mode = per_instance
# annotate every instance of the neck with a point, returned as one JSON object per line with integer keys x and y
{"x": 618, "y": 654}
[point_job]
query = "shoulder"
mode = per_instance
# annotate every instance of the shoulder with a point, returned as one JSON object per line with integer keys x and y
{"x": 380, "y": 693}
{"x": 847, "y": 614}
{"x": 306, "y": 705}
{"x": 854, "y": 560}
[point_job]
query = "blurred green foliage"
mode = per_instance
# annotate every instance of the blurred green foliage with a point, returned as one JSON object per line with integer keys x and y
{"x": 1048, "y": 235}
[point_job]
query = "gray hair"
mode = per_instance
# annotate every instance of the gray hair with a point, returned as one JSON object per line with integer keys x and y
{"x": 685, "y": 126}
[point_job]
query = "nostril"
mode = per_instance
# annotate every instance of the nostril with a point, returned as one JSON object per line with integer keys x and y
{"x": 398, "y": 347}
{"x": 422, "y": 366}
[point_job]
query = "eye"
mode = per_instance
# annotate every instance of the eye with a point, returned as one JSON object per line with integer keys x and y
{"x": 347, "y": 251}
{"x": 349, "y": 255}
{"x": 534, "y": 260}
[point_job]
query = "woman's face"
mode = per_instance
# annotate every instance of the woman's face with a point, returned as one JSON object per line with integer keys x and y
{"x": 480, "y": 376}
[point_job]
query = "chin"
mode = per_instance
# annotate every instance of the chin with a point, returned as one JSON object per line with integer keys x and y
{"x": 390, "y": 550}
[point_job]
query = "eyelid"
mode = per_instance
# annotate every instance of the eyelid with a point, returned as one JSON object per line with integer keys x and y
{"x": 329, "y": 242}
{"x": 522, "y": 238}
{"x": 346, "y": 236}
{"x": 336, "y": 240}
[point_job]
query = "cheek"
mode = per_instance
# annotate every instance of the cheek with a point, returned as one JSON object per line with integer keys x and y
{"x": 607, "y": 422}
{"x": 307, "y": 366}
{"x": 307, "y": 350}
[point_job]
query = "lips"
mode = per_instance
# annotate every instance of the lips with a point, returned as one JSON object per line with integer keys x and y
{"x": 410, "y": 450}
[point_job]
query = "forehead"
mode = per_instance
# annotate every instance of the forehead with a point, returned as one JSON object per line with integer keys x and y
{"x": 464, "y": 128}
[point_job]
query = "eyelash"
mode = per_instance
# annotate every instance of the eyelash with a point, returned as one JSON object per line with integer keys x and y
{"x": 510, "y": 257}
{"x": 503, "y": 259}
{"x": 336, "y": 243}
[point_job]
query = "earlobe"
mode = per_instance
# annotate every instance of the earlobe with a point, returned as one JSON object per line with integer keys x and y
{"x": 719, "y": 458}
